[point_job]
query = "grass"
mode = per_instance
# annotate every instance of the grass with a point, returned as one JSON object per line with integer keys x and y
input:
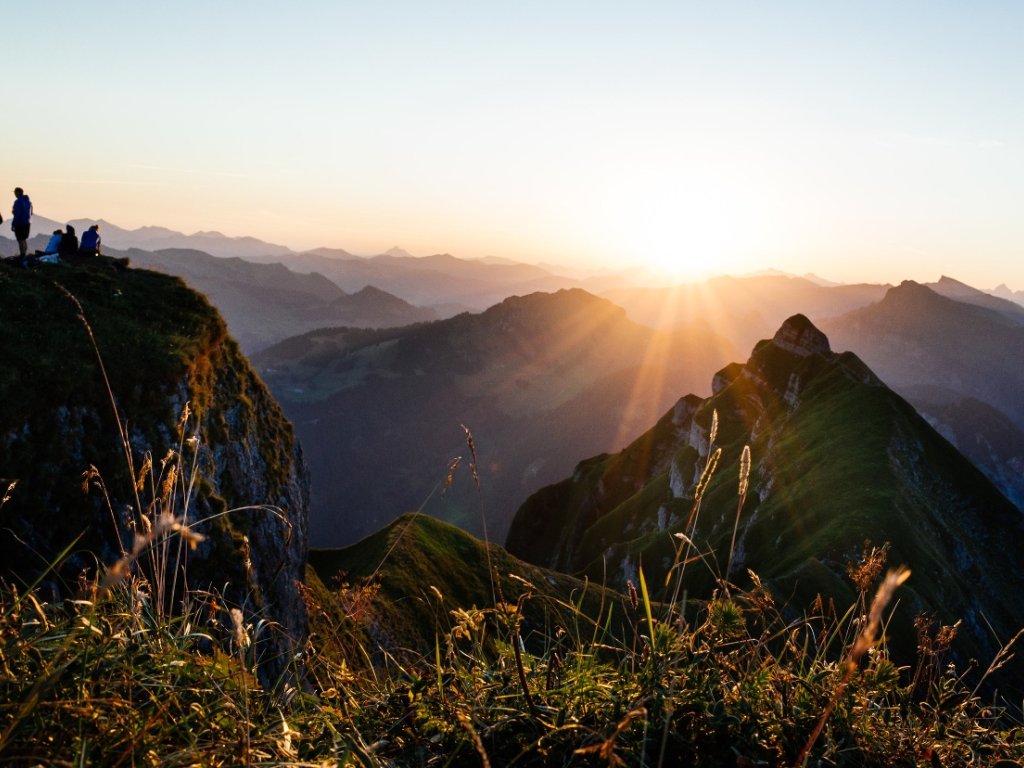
{"x": 109, "y": 680}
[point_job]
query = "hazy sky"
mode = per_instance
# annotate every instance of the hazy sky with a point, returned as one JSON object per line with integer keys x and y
{"x": 858, "y": 140}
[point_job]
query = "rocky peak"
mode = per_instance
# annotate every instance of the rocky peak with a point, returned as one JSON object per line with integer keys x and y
{"x": 799, "y": 336}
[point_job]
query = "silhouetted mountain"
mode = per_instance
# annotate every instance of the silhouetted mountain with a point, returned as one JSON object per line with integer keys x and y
{"x": 915, "y": 337}
{"x": 837, "y": 458}
{"x": 1003, "y": 292}
{"x": 333, "y": 253}
{"x": 441, "y": 280}
{"x": 540, "y": 380}
{"x": 954, "y": 289}
{"x": 265, "y": 303}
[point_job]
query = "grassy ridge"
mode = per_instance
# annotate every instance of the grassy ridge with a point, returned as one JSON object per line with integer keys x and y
{"x": 418, "y": 568}
{"x": 149, "y": 328}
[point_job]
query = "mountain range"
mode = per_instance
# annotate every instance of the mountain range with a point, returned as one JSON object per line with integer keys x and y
{"x": 446, "y": 284}
{"x": 949, "y": 348}
{"x": 152, "y": 238}
{"x": 539, "y": 380}
{"x": 266, "y": 303}
{"x": 442, "y": 282}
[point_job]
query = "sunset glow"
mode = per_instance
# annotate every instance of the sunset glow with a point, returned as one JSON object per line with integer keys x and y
{"x": 866, "y": 142}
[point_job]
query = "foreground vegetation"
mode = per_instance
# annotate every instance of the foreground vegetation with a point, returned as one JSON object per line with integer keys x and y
{"x": 108, "y": 679}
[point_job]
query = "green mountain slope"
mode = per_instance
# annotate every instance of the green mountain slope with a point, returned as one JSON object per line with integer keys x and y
{"x": 406, "y": 561}
{"x": 838, "y": 458}
{"x": 539, "y": 380}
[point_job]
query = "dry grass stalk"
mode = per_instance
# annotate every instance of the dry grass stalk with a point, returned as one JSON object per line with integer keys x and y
{"x": 606, "y": 749}
{"x": 164, "y": 526}
{"x": 467, "y": 723}
{"x": 743, "y": 486}
{"x": 865, "y": 640}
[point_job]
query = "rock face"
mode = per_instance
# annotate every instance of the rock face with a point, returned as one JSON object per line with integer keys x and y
{"x": 232, "y": 468}
{"x": 799, "y": 336}
{"x": 837, "y": 458}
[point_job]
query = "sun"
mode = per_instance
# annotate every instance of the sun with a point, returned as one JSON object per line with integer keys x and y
{"x": 683, "y": 230}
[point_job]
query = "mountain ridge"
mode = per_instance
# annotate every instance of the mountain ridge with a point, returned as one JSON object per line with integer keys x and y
{"x": 837, "y": 458}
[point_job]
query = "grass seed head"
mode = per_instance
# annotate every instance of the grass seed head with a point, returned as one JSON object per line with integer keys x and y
{"x": 744, "y": 470}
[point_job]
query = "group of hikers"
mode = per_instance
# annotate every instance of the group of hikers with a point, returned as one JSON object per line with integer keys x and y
{"x": 63, "y": 244}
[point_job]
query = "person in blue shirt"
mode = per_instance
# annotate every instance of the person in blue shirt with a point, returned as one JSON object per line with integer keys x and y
{"x": 21, "y": 223}
{"x": 90, "y": 245}
{"x": 54, "y": 245}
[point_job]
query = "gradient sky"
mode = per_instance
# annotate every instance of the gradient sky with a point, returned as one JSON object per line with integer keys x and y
{"x": 867, "y": 141}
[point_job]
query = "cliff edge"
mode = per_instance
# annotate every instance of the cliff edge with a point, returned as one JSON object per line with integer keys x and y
{"x": 205, "y": 440}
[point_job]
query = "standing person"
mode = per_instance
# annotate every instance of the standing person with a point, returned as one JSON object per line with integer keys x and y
{"x": 21, "y": 222}
{"x": 91, "y": 242}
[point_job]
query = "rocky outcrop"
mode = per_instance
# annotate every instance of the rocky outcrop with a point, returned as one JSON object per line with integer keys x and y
{"x": 231, "y": 470}
{"x": 799, "y": 336}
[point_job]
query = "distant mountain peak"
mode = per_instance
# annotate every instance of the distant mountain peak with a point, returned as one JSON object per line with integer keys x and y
{"x": 910, "y": 288}
{"x": 398, "y": 253}
{"x": 799, "y": 336}
{"x": 950, "y": 286}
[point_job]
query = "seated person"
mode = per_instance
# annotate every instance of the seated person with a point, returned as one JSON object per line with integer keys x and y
{"x": 68, "y": 243}
{"x": 53, "y": 246}
{"x": 90, "y": 242}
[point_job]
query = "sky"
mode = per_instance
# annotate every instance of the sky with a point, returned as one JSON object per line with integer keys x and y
{"x": 861, "y": 141}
